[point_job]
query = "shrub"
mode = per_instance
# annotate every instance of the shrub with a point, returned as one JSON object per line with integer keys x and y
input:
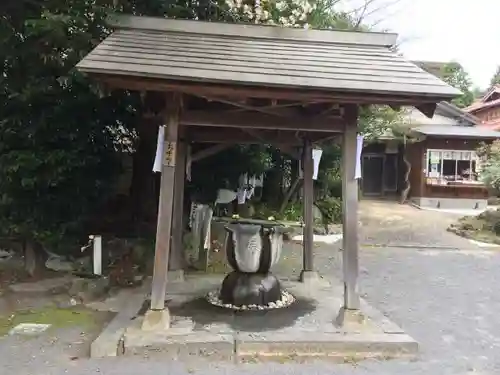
{"x": 293, "y": 212}
{"x": 331, "y": 209}
{"x": 490, "y": 171}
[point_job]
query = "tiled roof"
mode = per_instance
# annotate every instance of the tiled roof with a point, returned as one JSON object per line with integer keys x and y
{"x": 474, "y": 107}
{"x": 265, "y": 56}
{"x": 457, "y": 131}
{"x": 483, "y": 102}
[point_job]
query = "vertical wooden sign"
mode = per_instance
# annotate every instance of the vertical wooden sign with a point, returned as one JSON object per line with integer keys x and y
{"x": 170, "y": 154}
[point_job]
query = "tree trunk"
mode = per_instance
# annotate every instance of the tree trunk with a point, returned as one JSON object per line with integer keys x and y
{"x": 293, "y": 189}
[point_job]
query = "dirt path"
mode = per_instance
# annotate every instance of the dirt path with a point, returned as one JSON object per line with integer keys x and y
{"x": 387, "y": 223}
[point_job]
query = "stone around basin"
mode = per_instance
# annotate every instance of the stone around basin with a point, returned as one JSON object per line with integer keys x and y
{"x": 305, "y": 329}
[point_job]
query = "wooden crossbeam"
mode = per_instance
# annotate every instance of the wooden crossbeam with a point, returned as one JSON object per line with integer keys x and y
{"x": 231, "y": 136}
{"x": 209, "y": 151}
{"x": 232, "y": 91}
{"x": 253, "y": 120}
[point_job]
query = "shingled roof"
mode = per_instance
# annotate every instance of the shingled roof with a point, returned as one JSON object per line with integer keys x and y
{"x": 264, "y": 56}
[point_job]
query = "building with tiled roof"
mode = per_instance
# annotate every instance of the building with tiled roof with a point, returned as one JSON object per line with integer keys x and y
{"x": 487, "y": 109}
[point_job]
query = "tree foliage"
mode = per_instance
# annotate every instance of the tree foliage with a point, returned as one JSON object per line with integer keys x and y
{"x": 455, "y": 75}
{"x": 495, "y": 80}
{"x": 59, "y": 143}
{"x": 490, "y": 167}
{"x": 61, "y": 139}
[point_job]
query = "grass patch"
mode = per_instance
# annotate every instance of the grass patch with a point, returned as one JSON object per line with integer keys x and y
{"x": 484, "y": 227}
{"x": 56, "y": 317}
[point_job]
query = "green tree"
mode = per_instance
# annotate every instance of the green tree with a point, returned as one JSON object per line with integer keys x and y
{"x": 61, "y": 138}
{"x": 59, "y": 143}
{"x": 490, "y": 167}
{"x": 455, "y": 75}
{"x": 495, "y": 80}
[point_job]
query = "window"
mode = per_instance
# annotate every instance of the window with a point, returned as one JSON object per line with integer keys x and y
{"x": 451, "y": 166}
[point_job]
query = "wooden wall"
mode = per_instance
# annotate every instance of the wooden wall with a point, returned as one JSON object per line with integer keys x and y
{"x": 415, "y": 155}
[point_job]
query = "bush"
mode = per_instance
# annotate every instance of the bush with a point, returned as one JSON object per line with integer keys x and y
{"x": 263, "y": 212}
{"x": 293, "y": 211}
{"x": 490, "y": 171}
{"x": 331, "y": 209}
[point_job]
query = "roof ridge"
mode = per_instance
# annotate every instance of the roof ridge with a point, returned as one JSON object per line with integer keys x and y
{"x": 379, "y": 39}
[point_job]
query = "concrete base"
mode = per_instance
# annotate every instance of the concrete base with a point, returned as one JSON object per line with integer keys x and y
{"x": 450, "y": 203}
{"x": 350, "y": 318}
{"x": 305, "y": 329}
{"x": 156, "y": 320}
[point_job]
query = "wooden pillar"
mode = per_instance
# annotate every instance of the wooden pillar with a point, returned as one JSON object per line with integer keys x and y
{"x": 350, "y": 216}
{"x": 158, "y": 317}
{"x": 176, "y": 261}
{"x": 308, "y": 244}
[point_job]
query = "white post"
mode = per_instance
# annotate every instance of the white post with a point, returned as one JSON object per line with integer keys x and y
{"x": 97, "y": 254}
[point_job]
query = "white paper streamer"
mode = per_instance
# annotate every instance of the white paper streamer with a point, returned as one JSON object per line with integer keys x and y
{"x": 316, "y": 155}
{"x": 242, "y": 195}
{"x": 259, "y": 181}
{"x": 159, "y": 149}
{"x": 359, "y": 148}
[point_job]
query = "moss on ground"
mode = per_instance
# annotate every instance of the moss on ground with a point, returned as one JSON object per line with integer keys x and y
{"x": 56, "y": 317}
{"x": 484, "y": 227}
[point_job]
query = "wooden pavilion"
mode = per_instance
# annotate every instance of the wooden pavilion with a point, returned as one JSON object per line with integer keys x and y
{"x": 237, "y": 83}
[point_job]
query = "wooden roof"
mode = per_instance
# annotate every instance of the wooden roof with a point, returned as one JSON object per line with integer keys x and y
{"x": 262, "y": 56}
{"x": 477, "y": 132}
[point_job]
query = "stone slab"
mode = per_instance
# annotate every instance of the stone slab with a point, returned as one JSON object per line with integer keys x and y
{"x": 306, "y": 329}
{"x": 29, "y": 329}
{"x": 326, "y": 345}
{"x": 109, "y": 343}
{"x": 181, "y": 341}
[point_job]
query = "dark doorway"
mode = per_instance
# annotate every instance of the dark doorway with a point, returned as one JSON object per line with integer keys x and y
{"x": 391, "y": 173}
{"x": 373, "y": 174}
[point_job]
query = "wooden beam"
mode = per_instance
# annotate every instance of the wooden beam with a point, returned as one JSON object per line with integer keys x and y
{"x": 164, "y": 226}
{"x": 329, "y": 138}
{"x": 243, "y": 91}
{"x": 350, "y": 215}
{"x": 308, "y": 234}
{"x": 287, "y": 149}
{"x": 240, "y": 107}
{"x": 177, "y": 259}
{"x": 205, "y": 134}
{"x": 254, "y": 120}
{"x": 209, "y": 152}
{"x": 281, "y": 146}
{"x": 232, "y": 136}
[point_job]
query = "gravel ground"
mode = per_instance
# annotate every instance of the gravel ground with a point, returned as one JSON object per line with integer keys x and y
{"x": 446, "y": 299}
